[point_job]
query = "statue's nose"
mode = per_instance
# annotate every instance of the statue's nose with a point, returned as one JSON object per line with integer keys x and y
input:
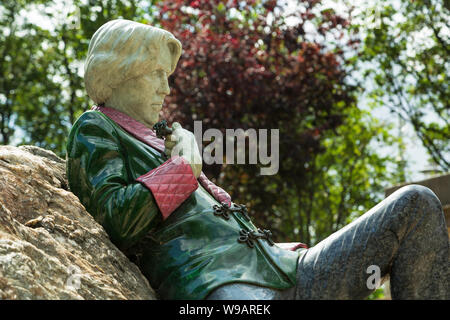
{"x": 164, "y": 87}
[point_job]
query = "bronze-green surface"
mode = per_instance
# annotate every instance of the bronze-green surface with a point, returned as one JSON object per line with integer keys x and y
{"x": 191, "y": 252}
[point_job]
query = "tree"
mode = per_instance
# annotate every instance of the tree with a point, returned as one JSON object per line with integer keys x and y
{"x": 408, "y": 52}
{"x": 25, "y": 86}
{"x": 347, "y": 179}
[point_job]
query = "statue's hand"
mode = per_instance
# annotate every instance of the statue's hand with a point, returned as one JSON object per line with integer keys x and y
{"x": 182, "y": 143}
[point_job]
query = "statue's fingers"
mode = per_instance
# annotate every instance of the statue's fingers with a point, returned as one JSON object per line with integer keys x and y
{"x": 171, "y": 138}
{"x": 169, "y": 144}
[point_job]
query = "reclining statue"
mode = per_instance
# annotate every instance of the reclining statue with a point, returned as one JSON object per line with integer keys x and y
{"x": 193, "y": 242}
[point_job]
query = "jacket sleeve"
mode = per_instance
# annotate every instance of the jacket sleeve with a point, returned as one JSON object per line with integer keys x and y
{"x": 98, "y": 174}
{"x": 171, "y": 184}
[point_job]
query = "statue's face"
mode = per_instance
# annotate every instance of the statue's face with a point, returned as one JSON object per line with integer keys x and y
{"x": 142, "y": 97}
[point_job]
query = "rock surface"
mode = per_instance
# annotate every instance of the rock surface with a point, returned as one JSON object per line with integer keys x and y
{"x": 50, "y": 247}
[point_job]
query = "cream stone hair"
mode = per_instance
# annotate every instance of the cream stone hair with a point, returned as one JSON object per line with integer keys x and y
{"x": 120, "y": 50}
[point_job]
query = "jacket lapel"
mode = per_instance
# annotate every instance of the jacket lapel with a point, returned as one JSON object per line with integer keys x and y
{"x": 133, "y": 127}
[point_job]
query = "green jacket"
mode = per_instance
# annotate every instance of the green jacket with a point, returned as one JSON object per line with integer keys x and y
{"x": 194, "y": 250}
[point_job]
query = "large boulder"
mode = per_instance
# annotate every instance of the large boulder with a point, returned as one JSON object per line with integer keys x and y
{"x": 50, "y": 247}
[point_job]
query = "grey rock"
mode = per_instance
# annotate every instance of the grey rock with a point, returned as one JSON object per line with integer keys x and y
{"x": 50, "y": 246}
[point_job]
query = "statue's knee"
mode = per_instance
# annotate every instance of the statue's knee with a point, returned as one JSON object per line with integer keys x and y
{"x": 421, "y": 198}
{"x": 419, "y": 193}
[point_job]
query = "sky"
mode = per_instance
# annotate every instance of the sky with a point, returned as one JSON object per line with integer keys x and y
{"x": 415, "y": 153}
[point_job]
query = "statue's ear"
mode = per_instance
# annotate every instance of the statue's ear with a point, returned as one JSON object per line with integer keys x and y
{"x": 175, "y": 47}
{"x": 175, "y": 51}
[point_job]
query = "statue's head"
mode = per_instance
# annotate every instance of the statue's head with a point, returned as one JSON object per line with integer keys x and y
{"x": 127, "y": 67}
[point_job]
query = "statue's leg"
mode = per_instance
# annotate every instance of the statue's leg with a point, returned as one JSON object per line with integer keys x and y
{"x": 405, "y": 235}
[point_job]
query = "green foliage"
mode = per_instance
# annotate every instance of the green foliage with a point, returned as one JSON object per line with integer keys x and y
{"x": 376, "y": 295}
{"x": 24, "y": 83}
{"x": 409, "y": 53}
{"x": 338, "y": 184}
{"x": 349, "y": 177}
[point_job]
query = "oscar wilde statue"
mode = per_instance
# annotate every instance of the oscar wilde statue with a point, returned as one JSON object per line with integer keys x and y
{"x": 193, "y": 241}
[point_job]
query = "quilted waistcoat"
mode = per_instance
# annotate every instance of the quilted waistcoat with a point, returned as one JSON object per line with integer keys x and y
{"x": 192, "y": 243}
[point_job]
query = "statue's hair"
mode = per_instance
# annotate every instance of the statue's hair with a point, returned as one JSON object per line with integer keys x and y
{"x": 120, "y": 50}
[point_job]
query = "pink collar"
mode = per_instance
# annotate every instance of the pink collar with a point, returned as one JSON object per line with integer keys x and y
{"x": 133, "y": 127}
